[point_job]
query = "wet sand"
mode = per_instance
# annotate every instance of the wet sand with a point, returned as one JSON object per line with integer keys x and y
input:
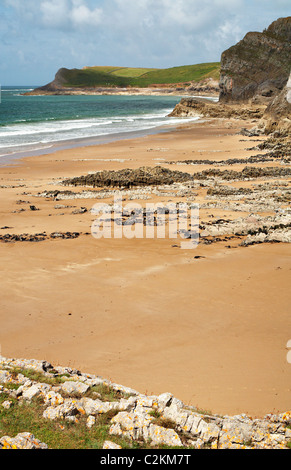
{"x": 144, "y": 313}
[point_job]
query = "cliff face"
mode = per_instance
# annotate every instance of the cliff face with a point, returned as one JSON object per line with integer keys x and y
{"x": 56, "y": 84}
{"x": 281, "y": 105}
{"x": 278, "y": 112}
{"x": 258, "y": 66}
{"x": 198, "y": 107}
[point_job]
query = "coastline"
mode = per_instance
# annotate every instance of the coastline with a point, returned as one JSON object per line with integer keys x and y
{"x": 142, "y": 312}
{"x": 200, "y": 91}
{"x": 47, "y": 145}
{"x": 57, "y": 146}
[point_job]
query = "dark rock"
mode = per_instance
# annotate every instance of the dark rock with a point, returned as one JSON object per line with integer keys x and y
{"x": 82, "y": 210}
{"x": 258, "y": 65}
{"x": 230, "y": 161}
{"x": 200, "y": 107}
{"x": 251, "y": 132}
{"x": 37, "y": 237}
{"x": 66, "y": 235}
{"x": 249, "y": 172}
{"x": 144, "y": 176}
{"x": 277, "y": 116}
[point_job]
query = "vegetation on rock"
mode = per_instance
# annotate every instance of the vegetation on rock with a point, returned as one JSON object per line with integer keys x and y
{"x": 94, "y": 77}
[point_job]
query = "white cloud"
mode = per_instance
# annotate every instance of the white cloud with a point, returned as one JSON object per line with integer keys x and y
{"x": 54, "y": 13}
{"x": 150, "y": 33}
{"x": 72, "y": 14}
{"x": 81, "y": 15}
{"x": 57, "y": 14}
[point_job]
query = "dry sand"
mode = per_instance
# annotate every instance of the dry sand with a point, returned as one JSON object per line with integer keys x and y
{"x": 212, "y": 331}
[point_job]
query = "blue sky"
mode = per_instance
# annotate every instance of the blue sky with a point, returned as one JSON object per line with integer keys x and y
{"x": 37, "y": 37}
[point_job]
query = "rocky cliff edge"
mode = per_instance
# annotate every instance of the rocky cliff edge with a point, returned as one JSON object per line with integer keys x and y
{"x": 258, "y": 66}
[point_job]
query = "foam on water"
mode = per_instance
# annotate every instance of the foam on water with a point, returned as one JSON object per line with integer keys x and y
{"x": 31, "y": 124}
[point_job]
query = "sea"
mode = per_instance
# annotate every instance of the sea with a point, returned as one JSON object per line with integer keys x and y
{"x": 33, "y": 125}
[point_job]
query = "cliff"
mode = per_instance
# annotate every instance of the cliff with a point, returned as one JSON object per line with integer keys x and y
{"x": 56, "y": 85}
{"x": 255, "y": 81}
{"x": 278, "y": 113}
{"x": 258, "y": 66}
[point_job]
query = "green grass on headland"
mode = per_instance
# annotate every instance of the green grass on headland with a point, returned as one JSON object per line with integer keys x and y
{"x": 138, "y": 77}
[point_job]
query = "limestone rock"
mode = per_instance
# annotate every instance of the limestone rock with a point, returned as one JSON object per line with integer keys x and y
{"x": 53, "y": 399}
{"x": 34, "y": 391}
{"x": 96, "y": 407}
{"x": 159, "y": 435}
{"x": 127, "y": 404}
{"x": 136, "y": 416}
{"x": 235, "y": 430}
{"x": 208, "y": 432}
{"x": 91, "y": 420}
{"x": 72, "y": 387}
{"x": 5, "y": 376}
{"x": 130, "y": 424}
{"x": 24, "y": 440}
{"x": 7, "y": 404}
{"x": 164, "y": 400}
{"x": 65, "y": 410}
{"x": 111, "y": 445}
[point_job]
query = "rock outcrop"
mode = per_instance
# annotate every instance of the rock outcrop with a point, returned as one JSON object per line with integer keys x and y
{"x": 23, "y": 440}
{"x": 258, "y": 66}
{"x": 144, "y": 176}
{"x": 278, "y": 113}
{"x": 189, "y": 107}
{"x": 55, "y": 86}
{"x": 68, "y": 395}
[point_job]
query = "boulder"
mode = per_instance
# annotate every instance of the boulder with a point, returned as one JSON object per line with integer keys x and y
{"x": 72, "y": 387}
{"x": 111, "y": 445}
{"x": 34, "y": 391}
{"x": 96, "y": 407}
{"x": 235, "y": 430}
{"x": 158, "y": 435}
{"x": 24, "y": 440}
{"x": 66, "y": 410}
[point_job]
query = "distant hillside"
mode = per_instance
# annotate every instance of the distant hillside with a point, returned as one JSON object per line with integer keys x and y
{"x": 93, "y": 77}
{"x": 258, "y": 65}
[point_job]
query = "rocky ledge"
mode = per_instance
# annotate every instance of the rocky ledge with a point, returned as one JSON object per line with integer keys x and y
{"x": 68, "y": 395}
{"x": 143, "y": 176}
{"x": 156, "y": 176}
{"x": 188, "y": 107}
{"x": 37, "y": 237}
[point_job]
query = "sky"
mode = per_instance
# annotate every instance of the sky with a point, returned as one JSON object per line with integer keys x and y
{"x": 37, "y": 37}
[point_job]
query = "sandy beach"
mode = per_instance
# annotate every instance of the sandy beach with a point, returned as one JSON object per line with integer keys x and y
{"x": 209, "y": 325}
